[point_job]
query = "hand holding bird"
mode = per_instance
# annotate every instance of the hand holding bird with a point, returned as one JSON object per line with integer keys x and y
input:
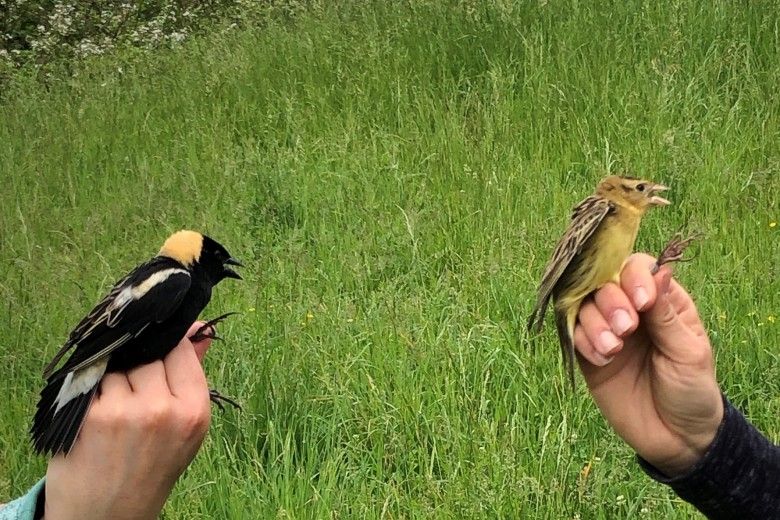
{"x": 143, "y": 429}
{"x": 659, "y": 391}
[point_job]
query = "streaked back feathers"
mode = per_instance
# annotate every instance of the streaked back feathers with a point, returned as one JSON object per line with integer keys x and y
{"x": 585, "y": 219}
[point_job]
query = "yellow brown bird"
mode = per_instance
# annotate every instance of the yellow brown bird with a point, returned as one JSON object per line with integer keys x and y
{"x": 599, "y": 239}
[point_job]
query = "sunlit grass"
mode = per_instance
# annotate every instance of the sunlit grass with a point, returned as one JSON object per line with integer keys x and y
{"x": 393, "y": 177}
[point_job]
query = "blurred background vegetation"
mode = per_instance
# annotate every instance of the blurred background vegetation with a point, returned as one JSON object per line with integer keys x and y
{"x": 51, "y": 34}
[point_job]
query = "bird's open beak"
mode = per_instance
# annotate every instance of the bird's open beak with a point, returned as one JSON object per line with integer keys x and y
{"x": 655, "y": 199}
{"x": 228, "y": 272}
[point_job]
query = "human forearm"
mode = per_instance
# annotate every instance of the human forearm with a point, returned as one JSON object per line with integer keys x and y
{"x": 738, "y": 477}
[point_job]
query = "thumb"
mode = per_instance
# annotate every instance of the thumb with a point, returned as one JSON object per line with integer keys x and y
{"x": 664, "y": 322}
{"x": 201, "y": 347}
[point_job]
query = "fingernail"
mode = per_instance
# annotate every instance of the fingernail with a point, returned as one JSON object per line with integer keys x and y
{"x": 607, "y": 342}
{"x": 621, "y": 322}
{"x": 641, "y": 298}
{"x": 601, "y": 361}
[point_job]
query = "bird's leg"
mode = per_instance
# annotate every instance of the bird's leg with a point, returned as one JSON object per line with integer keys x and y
{"x": 217, "y": 398}
{"x": 203, "y": 332}
{"x": 674, "y": 250}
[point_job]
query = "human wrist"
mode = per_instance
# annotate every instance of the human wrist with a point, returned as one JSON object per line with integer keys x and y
{"x": 695, "y": 440}
{"x": 108, "y": 511}
{"x": 733, "y": 480}
{"x": 682, "y": 462}
{"x": 108, "y": 502}
{"x": 697, "y": 446}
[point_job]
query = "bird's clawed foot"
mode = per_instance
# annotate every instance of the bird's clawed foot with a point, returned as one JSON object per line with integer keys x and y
{"x": 204, "y": 333}
{"x": 674, "y": 250}
{"x": 217, "y": 398}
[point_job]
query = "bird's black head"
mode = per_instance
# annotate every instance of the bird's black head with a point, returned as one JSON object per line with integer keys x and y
{"x": 216, "y": 261}
{"x": 202, "y": 253}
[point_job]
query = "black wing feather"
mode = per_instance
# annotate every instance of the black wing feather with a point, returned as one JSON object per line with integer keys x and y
{"x": 93, "y": 316}
{"x": 117, "y": 319}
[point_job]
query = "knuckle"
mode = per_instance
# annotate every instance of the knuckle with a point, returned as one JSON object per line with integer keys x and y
{"x": 701, "y": 358}
{"x": 580, "y": 340}
{"x": 193, "y": 421}
{"x": 610, "y": 296}
{"x": 587, "y": 310}
{"x": 106, "y": 417}
{"x": 156, "y": 414}
{"x": 667, "y": 317}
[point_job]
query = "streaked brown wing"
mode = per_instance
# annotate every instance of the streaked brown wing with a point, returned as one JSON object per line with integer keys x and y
{"x": 586, "y": 217}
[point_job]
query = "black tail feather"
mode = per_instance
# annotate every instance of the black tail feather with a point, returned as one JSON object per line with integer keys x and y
{"x": 567, "y": 346}
{"x": 56, "y": 432}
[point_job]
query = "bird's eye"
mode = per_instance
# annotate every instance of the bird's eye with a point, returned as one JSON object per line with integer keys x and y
{"x": 640, "y": 187}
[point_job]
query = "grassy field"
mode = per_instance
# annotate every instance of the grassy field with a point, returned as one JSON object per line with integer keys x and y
{"x": 393, "y": 176}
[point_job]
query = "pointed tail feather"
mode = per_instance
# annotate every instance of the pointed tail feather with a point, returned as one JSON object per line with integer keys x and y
{"x": 54, "y": 430}
{"x": 534, "y": 324}
{"x": 536, "y": 320}
{"x": 563, "y": 325}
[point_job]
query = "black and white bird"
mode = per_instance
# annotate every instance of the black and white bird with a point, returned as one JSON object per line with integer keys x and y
{"x": 141, "y": 320}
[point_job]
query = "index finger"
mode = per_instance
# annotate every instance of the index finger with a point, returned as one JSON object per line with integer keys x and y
{"x": 184, "y": 372}
{"x": 201, "y": 347}
{"x": 637, "y": 281}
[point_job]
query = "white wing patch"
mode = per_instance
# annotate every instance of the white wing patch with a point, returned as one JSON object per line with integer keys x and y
{"x": 79, "y": 382}
{"x": 136, "y": 292}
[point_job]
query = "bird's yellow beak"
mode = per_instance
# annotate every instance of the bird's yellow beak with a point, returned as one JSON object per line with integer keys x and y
{"x": 655, "y": 200}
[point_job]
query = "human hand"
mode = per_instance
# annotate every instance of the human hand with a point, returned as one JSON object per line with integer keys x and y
{"x": 141, "y": 432}
{"x": 648, "y": 363}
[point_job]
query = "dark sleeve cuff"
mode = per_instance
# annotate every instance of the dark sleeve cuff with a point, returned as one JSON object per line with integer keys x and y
{"x": 738, "y": 477}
